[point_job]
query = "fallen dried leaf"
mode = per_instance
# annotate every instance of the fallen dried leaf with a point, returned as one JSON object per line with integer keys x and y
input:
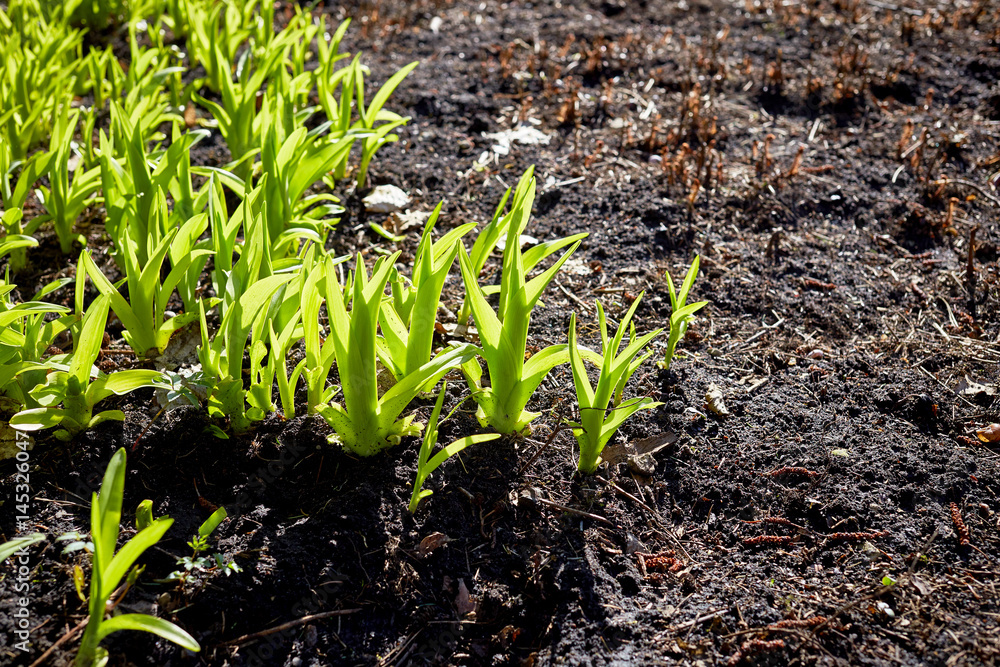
{"x": 432, "y": 542}
{"x": 463, "y": 601}
{"x": 922, "y": 586}
{"x": 655, "y": 443}
{"x": 969, "y": 387}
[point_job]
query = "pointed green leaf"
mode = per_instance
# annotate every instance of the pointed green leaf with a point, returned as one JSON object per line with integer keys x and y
{"x": 130, "y": 552}
{"x": 11, "y": 547}
{"x": 152, "y": 624}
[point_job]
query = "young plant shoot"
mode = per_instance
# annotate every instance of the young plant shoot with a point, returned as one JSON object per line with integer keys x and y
{"x": 681, "y": 313}
{"x": 597, "y": 426}
{"x": 147, "y": 328}
{"x": 367, "y": 423}
{"x": 26, "y": 333}
{"x": 426, "y": 464}
{"x": 66, "y": 197}
{"x": 499, "y": 228}
{"x": 194, "y": 564}
{"x": 109, "y": 568}
{"x": 71, "y": 384}
{"x": 504, "y": 333}
{"x": 222, "y": 357}
{"x": 408, "y": 320}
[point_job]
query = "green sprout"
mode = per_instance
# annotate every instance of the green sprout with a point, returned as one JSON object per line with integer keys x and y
{"x": 597, "y": 426}
{"x": 25, "y": 336}
{"x": 407, "y": 321}
{"x": 292, "y": 165}
{"x": 504, "y": 334}
{"x": 210, "y": 25}
{"x": 681, "y": 313}
{"x": 199, "y": 545}
{"x": 426, "y": 464}
{"x": 131, "y": 190}
{"x": 263, "y": 375}
{"x": 366, "y": 423}
{"x": 380, "y": 134}
{"x": 66, "y": 198}
{"x": 147, "y": 328}
{"x": 237, "y": 114}
{"x": 41, "y": 60}
{"x": 110, "y": 567}
{"x": 11, "y": 547}
{"x": 499, "y": 227}
{"x": 14, "y": 195}
{"x": 222, "y": 356}
{"x": 70, "y": 384}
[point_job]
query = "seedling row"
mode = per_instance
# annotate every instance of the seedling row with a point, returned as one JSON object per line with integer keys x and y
{"x": 240, "y": 252}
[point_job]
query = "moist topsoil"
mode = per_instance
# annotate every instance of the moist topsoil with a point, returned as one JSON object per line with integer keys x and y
{"x": 791, "y": 500}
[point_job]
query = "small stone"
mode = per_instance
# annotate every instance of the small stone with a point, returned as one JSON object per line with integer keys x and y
{"x": 523, "y": 134}
{"x": 386, "y": 199}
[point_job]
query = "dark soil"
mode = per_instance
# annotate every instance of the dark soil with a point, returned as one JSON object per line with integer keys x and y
{"x": 846, "y": 307}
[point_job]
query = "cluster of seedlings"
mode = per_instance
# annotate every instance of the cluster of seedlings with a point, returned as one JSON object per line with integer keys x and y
{"x": 240, "y": 252}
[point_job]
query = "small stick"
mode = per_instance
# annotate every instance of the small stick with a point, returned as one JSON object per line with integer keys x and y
{"x": 923, "y": 551}
{"x": 970, "y": 267}
{"x": 572, "y": 296}
{"x": 701, "y": 619}
{"x": 151, "y": 422}
{"x": 969, "y": 184}
{"x": 970, "y": 270}
{"x": 118, "y": 595}
{"x": 291, "y": 624}
{"x": 59, "y": 642}
{"x": 796, "y": 163}
{"x": 774, "y": 540}
{"x": 788, "y": 470}
{"x": 798, "y": 623}
{"x": 548, "y": 441}
{"x": 847, "y": 537}
{"x": 564, "y": 508}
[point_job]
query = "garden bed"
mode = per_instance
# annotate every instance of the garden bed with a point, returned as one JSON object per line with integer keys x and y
{"x": 848, "y": 328}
